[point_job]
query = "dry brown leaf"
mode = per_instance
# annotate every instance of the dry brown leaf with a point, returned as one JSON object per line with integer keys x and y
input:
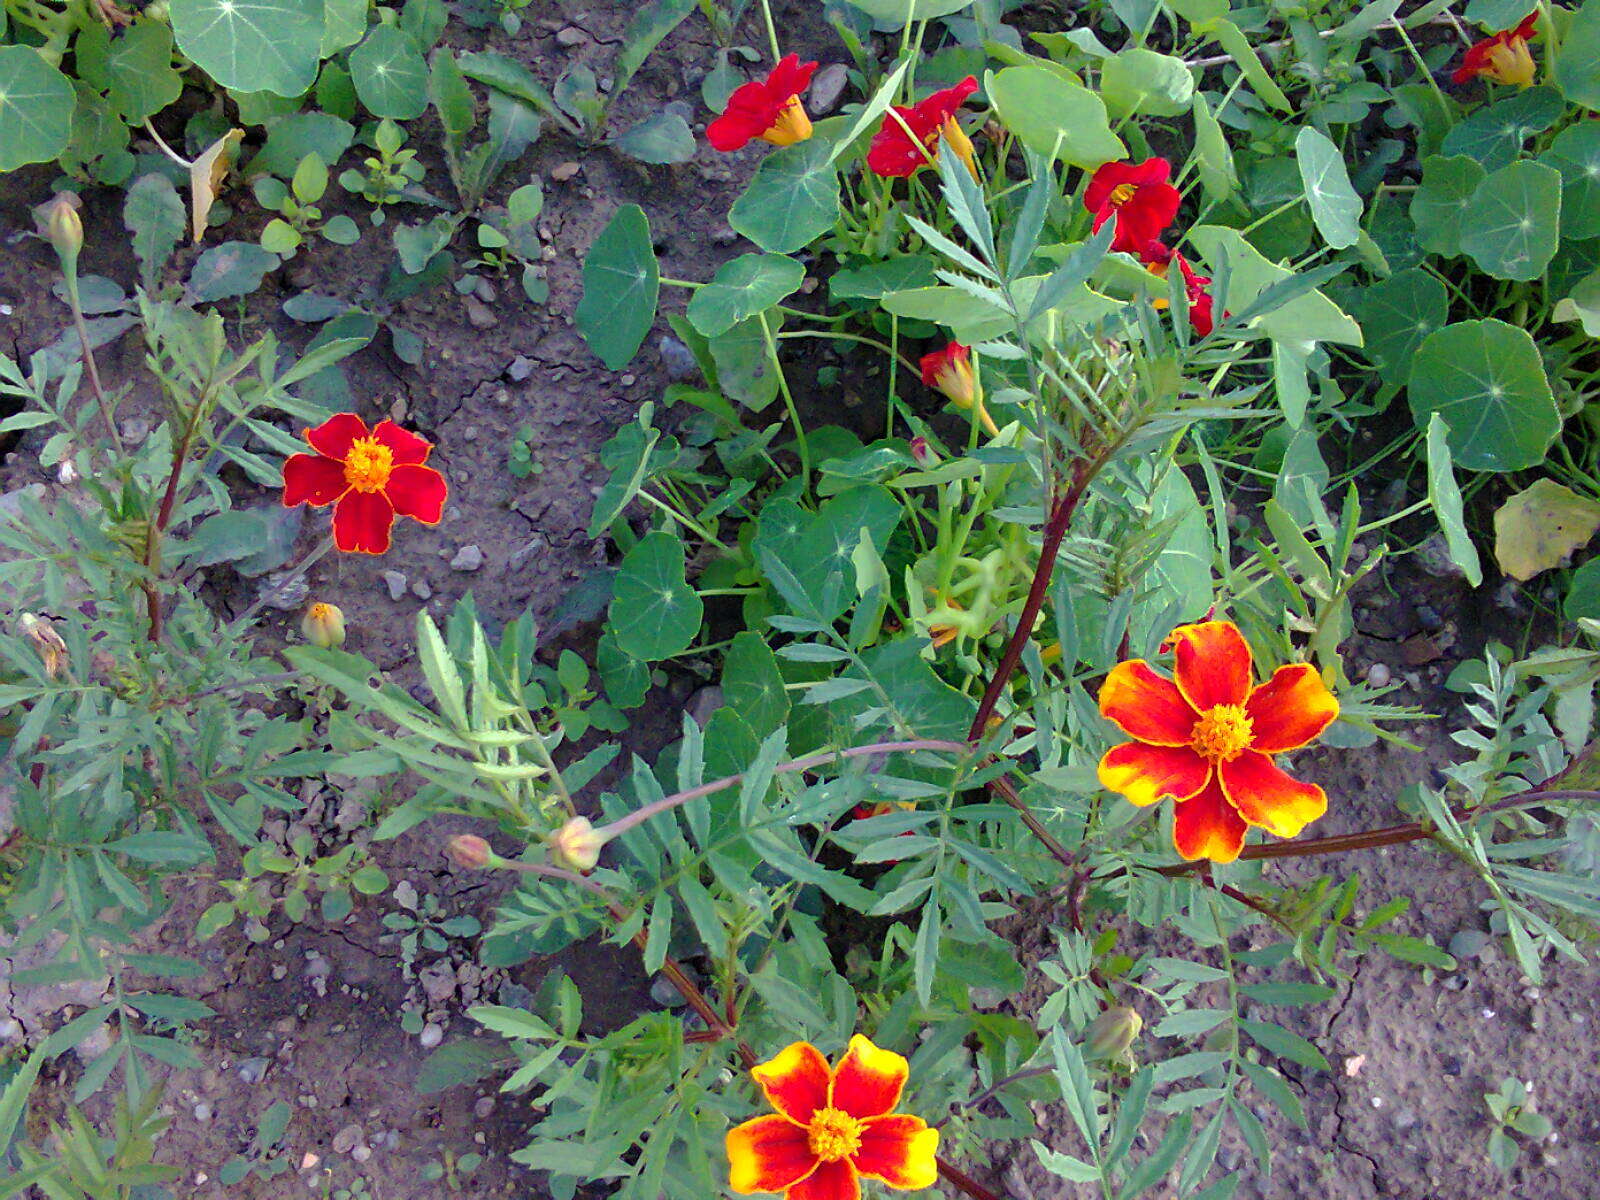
{"x": 1540, "y": 527}
{"x": 206, "y": 174}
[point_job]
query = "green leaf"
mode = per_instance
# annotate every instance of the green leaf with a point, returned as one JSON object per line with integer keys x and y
{"x": 753, "y": 684}
{"x": 1445, "y": 498}
{"x": 294, "y": 137}
{"x": 1440, "y": 201}
{"x": 621, "y": 283}
{"x": 417, "y": 244}
{"x": 1309, "y": 317}
{"x": 451, "y": 98}
{"x": 1213, "y": 156}
{"x": 644, "y": 32}
{"x": 654, "y": 612}
{"x": 1234, "y": 41}
{"x": 1575, "y": 152}
{"x": 153, "y": 213}
{"x": 1511, "y": 225}
{"x": 1054, "y": 116}
{"x": 231, "y": 269}
{"x": 792, "y": 199}
{"x": 1335, "y": 207}
{"x": 179, "y": 849}
{"x": 1487, "y": 381}
{"x": 742, "y": 288}
{"x": 1578, "y": 65}
{"x": 1145, "y": 82}
{"x": 466, "y": 1061}
{"x": 1397, "y": 315}
{"x": 252, "y": 45}
{"x": 139, "y": 68}
{"x": 390, "y": 74}
{"x": 344, "y": 22}
{"x": 1494, "y": 135}
{"x": 663, "y": 137}
{"x": 1496, "y": 14}
{"x": 36, "y": 104}
{"x": 1277, "y": 1040}
{"x": 892, "y": 14}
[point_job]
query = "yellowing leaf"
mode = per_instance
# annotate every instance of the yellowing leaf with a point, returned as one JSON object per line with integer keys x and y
{"x": 206, "y": 174}
{"x": 1540, "y": 527}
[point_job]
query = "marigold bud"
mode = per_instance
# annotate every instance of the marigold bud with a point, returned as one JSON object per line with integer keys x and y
{"x": 46, "y": 641}
{"x": 323, "y": 625}
{"x": 57, "y": 221}
{"x": 470, "y": 851}
{"x": 1112, "y": 1032}
{"x": 576, "y": 845}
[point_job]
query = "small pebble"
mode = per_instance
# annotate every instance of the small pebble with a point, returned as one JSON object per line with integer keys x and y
{"x": 1428, "y": 617}
{"x": 421, "y": 590}
{"x": 395, "y": 581}
{"x": 361, "y": 1153}
{"x": 202, "y": 1112}
{"x": 405, "y": 895}
{"x": 483, "y": 1107}
{"x": 468, "y": 558}
{"x": 431, "y": 1036}
{"x": 1378, "y": 675}
{"x": 519, "y": 369}
{"x": 479, "y": 315}
{"x": 347, "y": 1139}
{"x": 284, "y": 593}
{"x": 827, "y": 89}
{"x": 1377, "y": 1102}
{"x": 253, "y": 1070}
{"x": 571, "y": 37}
{"x": 562, "y": 172}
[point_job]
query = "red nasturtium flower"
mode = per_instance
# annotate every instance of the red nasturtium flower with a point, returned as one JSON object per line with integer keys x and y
{"x": 1157, "y": 260}
{"x": 368, "y": 476}
{"x": 950, "y": 371}
{"x": 1139, "y": 196}
{"x": 832, "y": 1126}
{"x": 908, "y": 139}
{"x": 768, "y": 109}
{"x": 1504, "y": 58}
{"x": 1206, "y": 738}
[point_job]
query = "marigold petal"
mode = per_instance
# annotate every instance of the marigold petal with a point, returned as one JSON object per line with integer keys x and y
{"x": 868, "y": 1081}
{"x": 795, "y": 1081}
{"x": 1290, "y": 710}
{"x": 312, "y": 479}
{"x": 1212, "y": 663}
{"x": 1206, "y": 826}
{"x": 835, "y": 1180}
{"x": 361, "y": 522}
{"x": 334, "y": 436}
{"x": 1145, "y": 705}
{"x": 768, "y": 1154}
{"x": 1265, "y": 795}
{"x": 1144, "y": 774}
{"x": 900, "y": 1150}
{"x": 418, "y": 493}
{"x": 405, "y": 446}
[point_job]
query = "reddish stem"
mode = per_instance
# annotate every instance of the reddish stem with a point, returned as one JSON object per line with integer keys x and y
{"x": 152, "y": 546}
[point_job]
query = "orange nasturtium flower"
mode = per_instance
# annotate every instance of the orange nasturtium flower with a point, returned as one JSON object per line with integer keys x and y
{"x": 832, "y": 1126}
{"x": 369, "y": 476}
{"x": 1504, "y": 57}
{"x": 769, "y": 109}
{"x": 1206, "y": 738}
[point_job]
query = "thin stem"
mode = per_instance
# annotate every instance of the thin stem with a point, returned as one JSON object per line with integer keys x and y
{"x": 994, "y": 1089}
{"x": 161, "y": 144}
{"x": 305, "y": 565}
{"x": 788, "y": 401}
{"x": 772, "y": 30}
{"x": 965, "y": 1182}
{"x": 234, "y": 686}
{"x": 89, "y": 365}
{"x": 639, "y": 816}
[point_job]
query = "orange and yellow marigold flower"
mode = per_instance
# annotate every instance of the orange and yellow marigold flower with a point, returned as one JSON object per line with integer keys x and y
{"x": 369, "y": 476}
{"x": 1206, "y": 738}
{"x": 1503, "y": 57}
{"x": 769, "y": 109}
{"x": 832, "y": 1126}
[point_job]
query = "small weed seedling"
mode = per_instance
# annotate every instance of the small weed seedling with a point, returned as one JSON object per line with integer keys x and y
{"x": 1511, "y": 1106}
{"x": 298, "y": 215}
{"x": 453, "y": 1172}
{"x": 261, "y": 1157}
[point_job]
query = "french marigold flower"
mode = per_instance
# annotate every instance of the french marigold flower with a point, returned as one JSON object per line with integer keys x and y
{"x": 369, "y": 476}
{"x": 1206, "y": 738}
{"x": 323, "y": 625}
{"x": 1139, "y": 196}
{"x": 832, "y": 1126}
{"x": 577, "y": 845}
{"x": 1504, "y": 58}
{"x": 908, "y": 139}
{"x": 768, "y": 109}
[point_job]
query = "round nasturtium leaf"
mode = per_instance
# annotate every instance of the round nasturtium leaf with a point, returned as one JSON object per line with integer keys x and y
{"x": 1440, "y": 200}
{"x": 1486, "y": 380}
{"x": 1511, "y": 226}
{"x": 654, "y": 612}
{"x": 390, "y": 74}
{"x": 1050, "y": 114}
{"x": 749, "y": 284}
{"x": 252, "y": 45}
{"x": 1145, "y": 82}
{"x": 36, "y": 104}
{"x": 1495, "y": 134}
{"x": 621, "y": 284}
{"x": 792, "y": 198}
{"x": 1575, "y": 152}
{"x": 1397, "y": 315}
{"x": 142, "y": 79}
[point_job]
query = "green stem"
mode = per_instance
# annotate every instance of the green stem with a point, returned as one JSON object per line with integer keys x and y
{"x": 306, "y": 564}
{"x": 788, "y": 400}
{"x": 772, "y": 30}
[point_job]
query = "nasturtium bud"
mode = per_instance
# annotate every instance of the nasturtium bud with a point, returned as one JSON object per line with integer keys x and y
{"x": 922, "y": 453}
{"x": 577, "y": 845}
{"x": 323, "y": 625}
{"x": 1111, "y": 1033}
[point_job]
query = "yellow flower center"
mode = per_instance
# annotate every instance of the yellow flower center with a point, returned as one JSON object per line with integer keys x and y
{"x": 834, "y": 1134}
{"x": 1222, "y": 734}
{"x": 1512, "y": 62}
{"x": 368, "y": 465}
{"x": 791, "y": 125}
{"x": 1121, "y": 194}
{"x": 321, "y": 612}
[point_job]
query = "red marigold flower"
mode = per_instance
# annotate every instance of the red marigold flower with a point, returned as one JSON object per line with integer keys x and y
{"x": 768, "y": 109}
{"x": 1139, "y": 196}
{"x": 1207, "y": 736}
{"x": 1504, "y": 58}
{"x": 908, "y": 139}
{"x": 369, "y": 476}
{"x": 832, "y": 1126}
